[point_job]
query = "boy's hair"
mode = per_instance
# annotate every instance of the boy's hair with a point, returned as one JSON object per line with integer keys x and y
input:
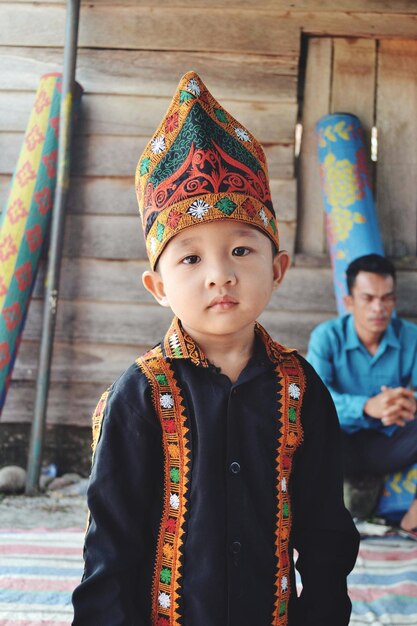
{"x": 373, "y": 263}
{"x": 201, "y": 165}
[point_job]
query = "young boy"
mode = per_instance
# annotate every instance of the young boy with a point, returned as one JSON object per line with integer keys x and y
{"x": 217, "y": 453}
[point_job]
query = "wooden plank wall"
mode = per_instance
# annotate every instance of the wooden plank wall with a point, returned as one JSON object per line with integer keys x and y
{"x": 131, "y": 55}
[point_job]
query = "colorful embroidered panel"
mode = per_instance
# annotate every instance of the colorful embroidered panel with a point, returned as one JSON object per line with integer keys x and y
{"x": 169, "y": 407}
{"x": 97, "y": 419}
{"x": 179, "y": 345}
{"x": 292, "y": 382}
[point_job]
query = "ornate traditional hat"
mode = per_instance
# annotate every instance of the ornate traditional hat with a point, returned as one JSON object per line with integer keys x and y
{"x": 201, "y": 165}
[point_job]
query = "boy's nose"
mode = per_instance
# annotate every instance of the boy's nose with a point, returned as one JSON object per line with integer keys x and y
{"x": 220, "y": 275}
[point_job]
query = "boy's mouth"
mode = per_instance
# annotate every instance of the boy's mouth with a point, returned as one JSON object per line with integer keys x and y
{"x": 223, "y": 302}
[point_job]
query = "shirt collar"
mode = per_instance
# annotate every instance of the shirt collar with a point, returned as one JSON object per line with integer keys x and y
{"x": 390, "y": 337}
{"x": 352, "y": 340}
{"x": 179, "y": 345}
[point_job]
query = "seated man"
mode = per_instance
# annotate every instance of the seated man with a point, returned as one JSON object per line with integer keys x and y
{"x": 368, "y": 360}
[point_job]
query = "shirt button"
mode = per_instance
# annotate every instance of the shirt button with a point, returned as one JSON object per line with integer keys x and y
{"x": 236, "y": 547}
{"x": 234, "y": 468}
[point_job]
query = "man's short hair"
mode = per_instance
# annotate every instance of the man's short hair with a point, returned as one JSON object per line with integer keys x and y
{"x": 374, "y": 263}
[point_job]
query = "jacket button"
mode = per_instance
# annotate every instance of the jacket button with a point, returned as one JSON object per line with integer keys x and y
{"x": 234, "y": 468}
{"x": 236, "y": 547}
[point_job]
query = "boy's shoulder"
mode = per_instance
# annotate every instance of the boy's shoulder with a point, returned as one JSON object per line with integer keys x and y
{"x": 132, "y": 387}
{"x": 126, "y": 404}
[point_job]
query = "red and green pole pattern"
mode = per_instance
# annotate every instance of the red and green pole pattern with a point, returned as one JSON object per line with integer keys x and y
{"x": 26, "y": 217}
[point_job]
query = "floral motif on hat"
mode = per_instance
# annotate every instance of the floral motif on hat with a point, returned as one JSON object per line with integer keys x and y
{"x": 198, "y": 209}
{"x": 194, "y": 87}
{"x": 242, "y": 134}
{"x": 158, "y": 144}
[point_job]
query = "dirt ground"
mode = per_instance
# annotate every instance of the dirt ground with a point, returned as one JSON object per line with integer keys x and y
{"x": 49, "y": 510}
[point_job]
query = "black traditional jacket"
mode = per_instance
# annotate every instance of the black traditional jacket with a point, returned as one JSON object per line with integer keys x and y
{"x": 202, "y": 491}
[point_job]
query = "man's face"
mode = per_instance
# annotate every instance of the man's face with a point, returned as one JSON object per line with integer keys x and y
{"x": 371, "y": 303}
{"x": 217, "y": 277}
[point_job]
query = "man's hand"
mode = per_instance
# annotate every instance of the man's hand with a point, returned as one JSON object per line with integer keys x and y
{"x": 392, "y": 406}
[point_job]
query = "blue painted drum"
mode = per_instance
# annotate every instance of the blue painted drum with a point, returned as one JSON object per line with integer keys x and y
{"x": 352, "y": 224}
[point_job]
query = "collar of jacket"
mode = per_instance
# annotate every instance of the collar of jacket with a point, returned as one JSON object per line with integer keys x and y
{"x": 179, "y": 345}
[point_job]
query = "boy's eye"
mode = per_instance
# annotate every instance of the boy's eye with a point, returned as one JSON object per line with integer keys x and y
{"x": 191, "y": 259}
{"x": 240, "y": 251}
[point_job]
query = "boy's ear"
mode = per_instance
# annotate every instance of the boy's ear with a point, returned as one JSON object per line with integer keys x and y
{"x": 281, "y": 263}
{"x": 152, "y": 281}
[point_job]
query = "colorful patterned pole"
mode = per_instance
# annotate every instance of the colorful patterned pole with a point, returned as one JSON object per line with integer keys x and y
{"x": 352, "y": 225}
{"x": 25, "y": 220}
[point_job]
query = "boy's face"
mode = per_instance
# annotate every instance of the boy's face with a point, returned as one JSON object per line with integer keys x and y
{"x": 217, "y": 277}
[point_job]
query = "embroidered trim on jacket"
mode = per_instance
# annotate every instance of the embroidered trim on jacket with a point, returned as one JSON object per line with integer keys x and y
{"x": 179, "y": 345}
{"x": 169, "y": 407}
{"x": 168, "y": 404}
{"x": 97, "y": 419}
{"x": 291, "y": 378}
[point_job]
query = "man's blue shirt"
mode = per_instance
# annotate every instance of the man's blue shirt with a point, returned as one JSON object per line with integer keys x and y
{"x": 353, "y": 375}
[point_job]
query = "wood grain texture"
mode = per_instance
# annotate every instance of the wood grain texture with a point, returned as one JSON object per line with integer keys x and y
{"x": 287, "y": 233}
{"x": 104, "y": 237}
{"x": 358, "y": 24}
{"x": 156, "y": 73}
{"x": 116, "y": 195}
{"x": 103, "y": 196}
{"x": 227, "y": 29}
{"x": 67, "y": 403}
{"x": 100, "y": 281}
{"x": 303, "y": 289}
{"x": 311, "y": 237}
{"x": 397, "y": 146}
{"x": 105, "y": 155}
{"x": 354, "y": 79}
{"x": 103, "y": 114}
{"x": 73, "y": 401}
{"x": 163, "y": 28}
{"x": 130, "y": 67}
{"x": 121, "y": 237}
{"x": 354, "y": 84}
{"x": 128, "y": 322}
{"x": 131, "y": 323}
{"x": 377, "y": 6}
{"x": 97, "y": 340}
{"x": 78, "y": 362}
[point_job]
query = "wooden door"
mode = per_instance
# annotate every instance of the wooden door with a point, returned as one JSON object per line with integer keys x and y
{"x": 377, "y": 81}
